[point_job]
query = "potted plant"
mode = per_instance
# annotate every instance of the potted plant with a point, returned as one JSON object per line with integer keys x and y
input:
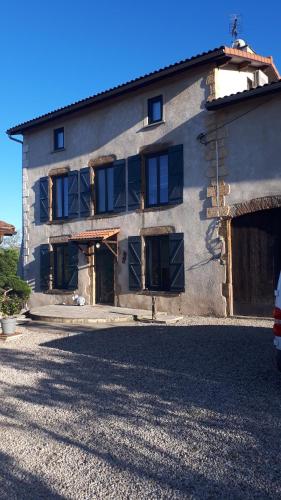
{"x": 10, "y": 307}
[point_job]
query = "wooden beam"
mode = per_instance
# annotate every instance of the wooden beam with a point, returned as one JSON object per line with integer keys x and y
{"x": 111, "y": 249}
{"x": 243, "y": 65}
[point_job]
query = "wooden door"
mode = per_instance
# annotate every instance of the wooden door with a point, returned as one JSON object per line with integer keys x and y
{"x": 256, "y": 262}
{"x": 104, "y": 266}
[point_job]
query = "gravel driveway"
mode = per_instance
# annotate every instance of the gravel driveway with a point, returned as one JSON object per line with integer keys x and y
{"x": 141, "y": 412}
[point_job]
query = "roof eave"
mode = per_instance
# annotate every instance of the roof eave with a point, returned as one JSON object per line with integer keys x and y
{"x": 243, "y": 96}
{"x": 119, "y": 91}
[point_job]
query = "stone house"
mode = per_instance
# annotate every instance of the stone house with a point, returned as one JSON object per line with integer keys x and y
{"x": 130, "y": 192}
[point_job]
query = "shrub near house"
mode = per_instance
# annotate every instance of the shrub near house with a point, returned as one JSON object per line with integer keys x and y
{"x": 12, "y": 302}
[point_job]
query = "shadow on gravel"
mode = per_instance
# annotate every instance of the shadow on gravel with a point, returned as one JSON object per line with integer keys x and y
{"x": 196, "y": 409}
{"x": 16, "y": 483}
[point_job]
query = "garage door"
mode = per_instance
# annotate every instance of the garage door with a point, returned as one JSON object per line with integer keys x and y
{"x": 256, "y": 261}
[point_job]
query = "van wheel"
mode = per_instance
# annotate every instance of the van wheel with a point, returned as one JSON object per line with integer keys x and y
{"x": 278, "y": 359}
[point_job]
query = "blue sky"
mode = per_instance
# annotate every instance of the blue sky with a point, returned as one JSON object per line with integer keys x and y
{"x": 56, "y": 52}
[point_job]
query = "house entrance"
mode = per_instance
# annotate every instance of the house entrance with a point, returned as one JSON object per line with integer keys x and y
{"x": 104, "y": 267}
{"x": 256, "y": 261}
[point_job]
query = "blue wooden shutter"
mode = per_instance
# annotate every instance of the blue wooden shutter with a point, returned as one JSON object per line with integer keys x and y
{"x": 44, "y": 199}
{"x": 134, "y": 182}
{"x": 73, "y": 194}
{"x": 85, "y": 192}
{"x": 72, "y": 266}
{"x": 44, "y": 267}
{"x": 134, "y": 262}
{"x": 176, "y": 262}
{"x": 119, "y": 198}
{"x": 175, "y": 154}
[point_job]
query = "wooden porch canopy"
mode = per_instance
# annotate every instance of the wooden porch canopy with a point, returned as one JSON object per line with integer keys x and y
{"x": 6, "y": 229}
{"x": 98, "y": 235}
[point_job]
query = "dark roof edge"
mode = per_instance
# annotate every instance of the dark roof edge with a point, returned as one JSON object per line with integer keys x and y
{"x": 204, "y": 58}
{"x": 221, "y": 102}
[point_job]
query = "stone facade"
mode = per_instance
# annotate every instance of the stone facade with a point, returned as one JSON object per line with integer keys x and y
{"x": 214, "y": 171}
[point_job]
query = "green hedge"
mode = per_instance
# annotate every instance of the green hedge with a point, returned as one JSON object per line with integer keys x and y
{"x": 8, "y": 274}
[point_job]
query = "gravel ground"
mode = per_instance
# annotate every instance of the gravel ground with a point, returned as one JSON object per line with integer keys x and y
{"x": 141, "y": 412}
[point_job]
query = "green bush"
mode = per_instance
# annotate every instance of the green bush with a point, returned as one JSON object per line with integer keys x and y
{"x": 19, "y": 291}
{"x": 11, "y": 305}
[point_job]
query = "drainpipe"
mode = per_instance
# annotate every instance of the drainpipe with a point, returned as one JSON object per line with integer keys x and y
{"x": 217, "y": 173}
{"x": 14, "y": 139}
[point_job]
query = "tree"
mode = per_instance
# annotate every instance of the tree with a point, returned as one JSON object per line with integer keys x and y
{"x": 8, "y": 274}
{"x": 13, "y": 241}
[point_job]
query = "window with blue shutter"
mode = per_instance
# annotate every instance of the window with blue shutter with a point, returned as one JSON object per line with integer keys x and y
{"x": 176, "y": 262}
{"x": 164, "y": 177}
{"x": 72, "y": 266}
{"x": 134, "y": 262}
{"x": 60, "y": 196}
{"x": 44, "y": 198}
{"x": 175, "y": 181}
{"x": 134, "y": 182}
{"x": 104, "y": 189}
{"x": 65, "y": 276}
{"x": 44, "y": 267}
{"x": 119, "y": 198}
{"x": 164, "y": 262}
{"x": 73, "y": 208}
{"x": 85, "y": 192}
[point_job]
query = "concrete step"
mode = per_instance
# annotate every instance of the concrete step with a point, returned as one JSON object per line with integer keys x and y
{"x": 83, "y": 315}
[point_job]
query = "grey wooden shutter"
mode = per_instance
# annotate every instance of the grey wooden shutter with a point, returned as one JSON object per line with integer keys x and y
{"x": 175, "y": 154}
{"x": 44, "y": 198}
{"x": 72, "y": 266}
{"x": 119, "y": 198}
{"x": 85, "y": 192}
{"x": 134, "y": 262}
{"x": 176, "y": 261}
{"x": 73, "y": 194}
{"x": 44, "y": 267}
{"x": 134, "y": 182}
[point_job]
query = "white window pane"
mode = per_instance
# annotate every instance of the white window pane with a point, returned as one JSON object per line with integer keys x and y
{"x": 59, "y": 197}
{"x": 163, "y": 179}
{"x": 60, "y": 139}
{"x": 110, "y": 189}
{"x": 101, "y": 190}
{"x": 156, "y": 111}
{"x": 65, "y": 198}
{"x": 152, "y": 181}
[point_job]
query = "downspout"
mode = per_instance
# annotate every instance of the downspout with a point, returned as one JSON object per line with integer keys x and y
{"x": 217, "y": 175}
{"x": 14, "y": 139}
{"x": 21, "y": 264}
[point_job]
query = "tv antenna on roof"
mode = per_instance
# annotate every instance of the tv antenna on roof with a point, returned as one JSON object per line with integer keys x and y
{"x": 235, "y": 26}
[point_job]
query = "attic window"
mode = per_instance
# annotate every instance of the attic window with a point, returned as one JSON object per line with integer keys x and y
{"x": 155, "y": 109}
{"x": 58, "y": 139}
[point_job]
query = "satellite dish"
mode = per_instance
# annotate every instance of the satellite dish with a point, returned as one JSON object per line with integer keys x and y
{"x": 239, "y": 43}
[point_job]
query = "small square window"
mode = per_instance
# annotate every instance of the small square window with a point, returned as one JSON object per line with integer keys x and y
{"x": 155, "y": 109}
{"x": 58, "y": 138}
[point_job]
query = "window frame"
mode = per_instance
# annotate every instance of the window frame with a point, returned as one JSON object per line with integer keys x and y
{"x": 57, "y": 131}
{"x": 54, "y": 196}
{"x": 106, "y": 168}
{"x": 147, "y": 158}
{"x": 55, "y": 285}
{"x": 150, "y": 103}
{"x": 148, "y": 240}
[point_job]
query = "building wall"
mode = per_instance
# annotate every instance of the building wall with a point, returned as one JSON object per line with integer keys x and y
{"x": 229, "y": 80}
{"x": 253, "y": 149}
{"x": 119, "y": 129}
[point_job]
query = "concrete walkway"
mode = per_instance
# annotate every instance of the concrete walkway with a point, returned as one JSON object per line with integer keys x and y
{"x": 95, "y": 314}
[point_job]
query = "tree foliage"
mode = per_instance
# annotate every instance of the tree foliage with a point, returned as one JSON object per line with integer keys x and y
{"x": 8, "y": 274}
